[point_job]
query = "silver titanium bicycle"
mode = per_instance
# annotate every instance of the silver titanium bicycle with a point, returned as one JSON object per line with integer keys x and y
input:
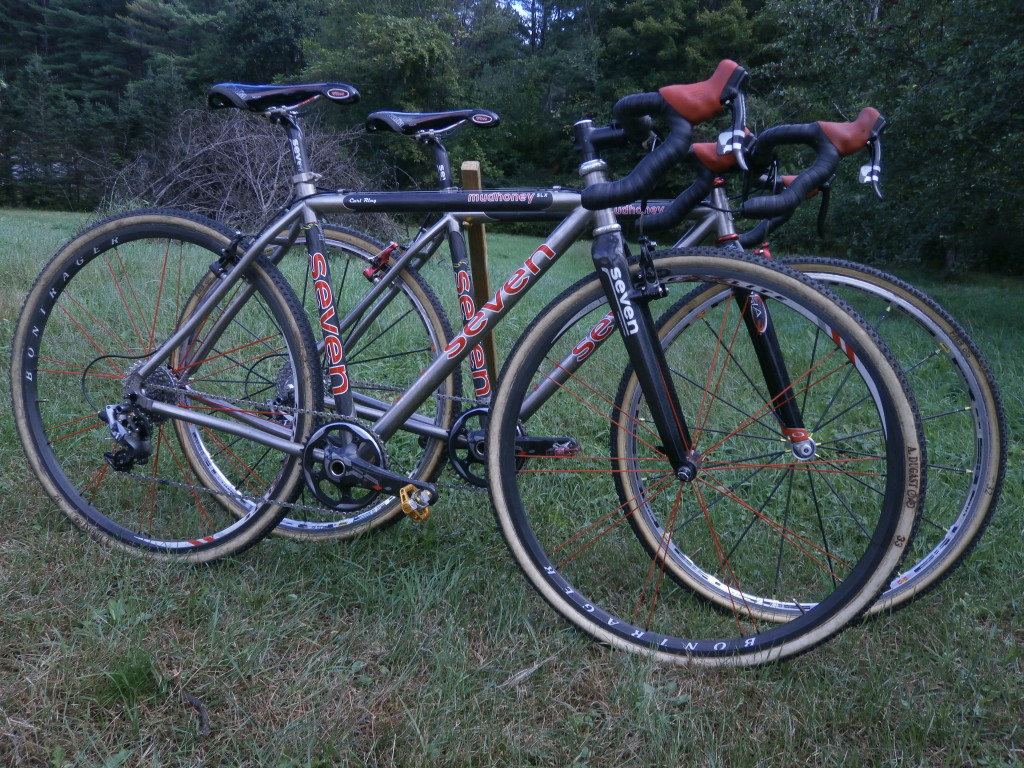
{"x": 169, "y": 395}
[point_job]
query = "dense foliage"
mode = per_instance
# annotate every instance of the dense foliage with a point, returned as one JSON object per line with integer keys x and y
{"x": 95, "y": 85}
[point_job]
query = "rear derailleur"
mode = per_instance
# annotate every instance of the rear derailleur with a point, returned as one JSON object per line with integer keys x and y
{"x": 132, "y": 430}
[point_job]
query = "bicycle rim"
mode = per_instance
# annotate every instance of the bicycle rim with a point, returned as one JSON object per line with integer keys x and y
{"x": 961, "y": 413}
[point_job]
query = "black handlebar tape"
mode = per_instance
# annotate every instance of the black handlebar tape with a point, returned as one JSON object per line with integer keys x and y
{"x": 647, "y": 172}
{"x": 787, "y": 200}
{"x": 634, "y": 112}
{"x": 609, "y": 136}
{"x": 765, "y": 143}
{"x": 756, "y": 236}
{"x": 687, "y": 200}
{"x": 815, "y": 176}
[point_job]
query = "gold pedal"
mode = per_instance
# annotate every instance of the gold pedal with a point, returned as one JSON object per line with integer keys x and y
{"x": 415, "y": 503}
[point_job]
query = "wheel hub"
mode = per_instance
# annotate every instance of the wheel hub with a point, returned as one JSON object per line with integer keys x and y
{"x": 688, "y": 472}
{"x": 160, "y": 386}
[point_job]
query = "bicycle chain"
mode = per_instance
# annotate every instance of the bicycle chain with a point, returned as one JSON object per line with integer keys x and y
{"x": 284, "y": 409}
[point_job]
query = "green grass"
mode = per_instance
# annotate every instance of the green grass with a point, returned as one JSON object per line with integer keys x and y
{"x": 422, "y": 645}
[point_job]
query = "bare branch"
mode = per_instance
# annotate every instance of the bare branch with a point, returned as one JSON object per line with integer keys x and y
{"x": 236, "y": 168}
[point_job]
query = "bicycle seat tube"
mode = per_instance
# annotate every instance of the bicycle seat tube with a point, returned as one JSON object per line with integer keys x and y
{"x": 303, "y": 186}
{"x": 460, "y": 267}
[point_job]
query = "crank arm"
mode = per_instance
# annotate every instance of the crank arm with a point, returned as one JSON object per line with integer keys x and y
{"x": 345, "y": 467}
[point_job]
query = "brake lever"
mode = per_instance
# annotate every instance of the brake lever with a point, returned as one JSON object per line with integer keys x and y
{"x": 826, "y": 196}
{"x": 733, "y": 140}
{"x": 872, "y": 173}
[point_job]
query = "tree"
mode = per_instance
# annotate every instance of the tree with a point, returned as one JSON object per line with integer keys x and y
{"x": 110, "y": 76}
{"x": 173, "y": 32}
{"x": 49, "y": 146}
{"x": 78, "y": 41}
{"x": 946, "y": 74}
{"x": 397, "y": 59}
{"x": 648, "y": 44}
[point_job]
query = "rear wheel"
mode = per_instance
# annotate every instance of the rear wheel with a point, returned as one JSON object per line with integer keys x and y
{"x": 129, "y": 477}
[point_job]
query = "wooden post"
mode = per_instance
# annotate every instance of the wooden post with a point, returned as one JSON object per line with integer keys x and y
{"x": 476, "y": 239}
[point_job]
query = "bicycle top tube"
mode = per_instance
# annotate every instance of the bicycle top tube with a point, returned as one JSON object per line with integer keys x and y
{"x": 482, "y": 201}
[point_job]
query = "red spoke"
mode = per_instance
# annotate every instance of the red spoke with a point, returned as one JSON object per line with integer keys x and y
{"x": 88, "y": 335}
{"x": 704, "y": 412}
{"x": 789, "y": 392}
{"x": 76, "y": 370}
{"x": 600, "y": 521}
{"x": 96, "y": 424}
{"x": 191, "y": 365}
{"x": 656, "y": 571}
{"x": 724, "y": 565}
{"x": 601, "y": 413}
{"x": 124, "y": 298}
{"x": 177, "y": 289}
{"x": 94, "y": 482}
{"x": 160, "y": 292}
{"x": 187, "y": 476}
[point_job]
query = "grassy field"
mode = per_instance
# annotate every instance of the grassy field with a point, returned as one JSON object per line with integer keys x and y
{"x": 423, "y": 645}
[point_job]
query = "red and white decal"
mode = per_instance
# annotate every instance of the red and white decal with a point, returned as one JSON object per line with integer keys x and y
{"x": 333, "y": 350}
{"x": 481, "y": 381}
{"x": 518, "y": 282}
{"x": 597, "y": 334}
{"x": 843, "y": 346}
{"x": 758, "y": 313}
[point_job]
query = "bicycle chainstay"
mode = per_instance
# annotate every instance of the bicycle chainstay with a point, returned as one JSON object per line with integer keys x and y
{"x": 284, "y": 410}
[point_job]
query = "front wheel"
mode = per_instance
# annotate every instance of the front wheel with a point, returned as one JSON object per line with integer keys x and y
{"x": 600, "y": 524}
{"x": 961, "y": 413}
